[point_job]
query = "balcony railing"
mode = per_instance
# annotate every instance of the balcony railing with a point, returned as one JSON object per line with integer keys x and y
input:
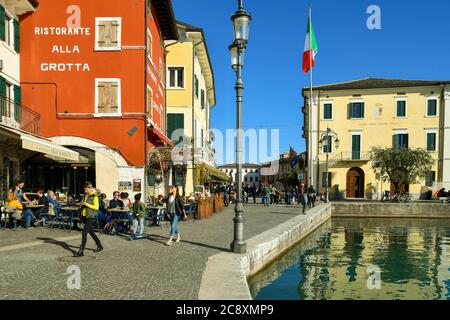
{"x": 352, "y": 156}
{"x": 17, "y": 116}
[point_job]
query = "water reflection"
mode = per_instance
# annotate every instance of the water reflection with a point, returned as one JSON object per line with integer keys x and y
{"x": 332, "y": 263}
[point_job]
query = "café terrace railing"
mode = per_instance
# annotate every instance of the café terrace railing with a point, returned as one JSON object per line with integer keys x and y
{"x": 15, "y": 115}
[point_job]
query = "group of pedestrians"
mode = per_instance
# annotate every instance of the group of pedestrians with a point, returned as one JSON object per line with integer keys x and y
{"x": 302, "y": 195}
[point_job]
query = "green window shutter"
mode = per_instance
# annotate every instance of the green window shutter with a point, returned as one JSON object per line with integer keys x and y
{"x": 17, "y": 94}
{"x": 16, "y": 36}
{"x": 2, "y": 86}
{"x": 395, "y": 141}
{"x": 175, "y": 121}
{"x": 362, "y": 109}
{"x": 401, "y": 108}
{"x": 431, "y": 141}
{"x": 349, "y": 111}
{"x": 2, "y": 24}
{"x": 328, "y": 111}
{"x": 17, "y": 103}
{"x": 432, "y": 108}
{"x": 3, "y": 104}
{"x": 356, "y": 147}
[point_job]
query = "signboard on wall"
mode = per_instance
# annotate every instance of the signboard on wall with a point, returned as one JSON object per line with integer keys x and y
{"x": 137, "y": 185}
{"x": 125, "y": 186}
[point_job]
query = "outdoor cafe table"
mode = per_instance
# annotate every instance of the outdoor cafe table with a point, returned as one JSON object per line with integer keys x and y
{"x": 117, "y": 216}
{"x": 70, "y": 212}
{"x": 34, "y": 208}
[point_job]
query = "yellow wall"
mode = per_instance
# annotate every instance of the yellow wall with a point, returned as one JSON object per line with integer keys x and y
{"x": 377, "y": 129}
{"x": 180, "y": 100}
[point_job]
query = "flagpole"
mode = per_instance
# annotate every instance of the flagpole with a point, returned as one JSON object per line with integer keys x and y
{"x": 310, "y": 147}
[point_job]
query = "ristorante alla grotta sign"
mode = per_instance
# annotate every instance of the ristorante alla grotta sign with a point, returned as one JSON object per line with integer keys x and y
{"x": 72, "y": 31}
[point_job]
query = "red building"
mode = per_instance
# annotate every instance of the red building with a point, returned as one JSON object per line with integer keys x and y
{"x": 95, "y": 72}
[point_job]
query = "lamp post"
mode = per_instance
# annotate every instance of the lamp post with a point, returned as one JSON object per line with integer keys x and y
{"x": 241, "y": 23}
{"x": 325, "y": 141}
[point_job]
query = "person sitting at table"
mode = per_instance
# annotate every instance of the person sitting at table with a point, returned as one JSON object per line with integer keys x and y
{"x": 42, "y": 201}
{"x": 102, "y": 214}
{"x": 52, "y": 199}
{"x": 160, "y": 201}
{"x": 125, "y": 198}
{"x": 13, "y": 201}
{"x": 116, "y": 202}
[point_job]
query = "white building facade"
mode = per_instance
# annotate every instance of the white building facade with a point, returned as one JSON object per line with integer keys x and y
{"x": 251, "y": 173}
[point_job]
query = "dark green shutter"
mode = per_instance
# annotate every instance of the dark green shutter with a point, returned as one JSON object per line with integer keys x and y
{"x": 328, "y": 111}
{"x": 349, "y": 111}
{"x": 356, "y": 147}
{"x": 16, "y": 36}
{"x": 3, "y": 103}
{"x": 17, "y": 103}
{"x": 362, "y": 109}
{"x": 2, "y": 24}
{"x": 431, "y": 141}
{"x": 175, "y": 121}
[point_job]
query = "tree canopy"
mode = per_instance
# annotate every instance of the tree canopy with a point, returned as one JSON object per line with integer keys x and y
{"x": 401, "y": 166}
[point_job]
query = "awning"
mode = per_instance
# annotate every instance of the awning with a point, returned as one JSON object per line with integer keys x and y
{"x": 216, "y": 174}
{"x": 40, "y": 144}
{"x": 158, "y": 135}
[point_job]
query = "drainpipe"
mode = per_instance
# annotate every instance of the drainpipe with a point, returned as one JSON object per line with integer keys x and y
{"x": 193, "y": 113}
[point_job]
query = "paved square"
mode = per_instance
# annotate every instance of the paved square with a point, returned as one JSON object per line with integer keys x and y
{"x": 34, "y": 263}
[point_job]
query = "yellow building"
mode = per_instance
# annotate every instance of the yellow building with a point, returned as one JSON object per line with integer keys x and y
{"x": 376, "y": 112}
{"x": 190, "y": 97}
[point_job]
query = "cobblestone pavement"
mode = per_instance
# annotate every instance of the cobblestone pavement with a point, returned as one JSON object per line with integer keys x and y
{"x": 141, "y": 269}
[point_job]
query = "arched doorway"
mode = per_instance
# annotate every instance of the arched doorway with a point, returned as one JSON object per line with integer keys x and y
{"x": 355, "y": 183}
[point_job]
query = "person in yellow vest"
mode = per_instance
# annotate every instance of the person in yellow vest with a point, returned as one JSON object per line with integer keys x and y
{"x": 90, "y": 206}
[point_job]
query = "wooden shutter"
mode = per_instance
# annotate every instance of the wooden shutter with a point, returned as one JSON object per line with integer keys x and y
{"x": 175, "y": 121}
{"x": 108, "y": 32}
{"x": 3, "y": 102}
{"x": 16, "y": 35}
{"x": 113, "y": 97}
{"x": 114, "y": 33}
{"x": 349, "y": 111}
{"x": 17, "y": 103}
{"x": 102, "y": 97}
{"x": 362, "y": 109}
{"x": 108, "y": 97}
{"x": 101, "y": 42}
{"x": 2, "y": 23}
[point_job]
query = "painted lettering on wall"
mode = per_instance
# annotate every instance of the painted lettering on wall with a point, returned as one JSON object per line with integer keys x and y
{"x": 73, "y": 29}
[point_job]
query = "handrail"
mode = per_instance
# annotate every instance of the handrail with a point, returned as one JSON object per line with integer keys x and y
{"x": 12, "y": 113}
{"x": 352, "y": 156}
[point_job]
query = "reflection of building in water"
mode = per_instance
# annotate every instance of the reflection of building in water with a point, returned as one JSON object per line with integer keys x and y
{"x": 412, "y": 262}
{"x": 291, "y": 258}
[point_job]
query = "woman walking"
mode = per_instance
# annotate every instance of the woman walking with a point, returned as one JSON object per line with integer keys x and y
{"x": 175, "y": 208}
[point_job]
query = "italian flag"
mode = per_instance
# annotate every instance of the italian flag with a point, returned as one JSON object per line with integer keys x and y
{"x": 309, "y": 54}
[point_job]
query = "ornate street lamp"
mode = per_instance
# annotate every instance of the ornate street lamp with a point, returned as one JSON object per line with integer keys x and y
{"x": 325, "y": 141}
{"x": 241, "y": 25}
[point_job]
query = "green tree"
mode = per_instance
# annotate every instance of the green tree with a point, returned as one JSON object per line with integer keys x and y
{"x": 401, "y": 166}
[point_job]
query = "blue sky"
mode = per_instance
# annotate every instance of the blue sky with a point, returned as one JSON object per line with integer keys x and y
{"x": 413, "y": 43}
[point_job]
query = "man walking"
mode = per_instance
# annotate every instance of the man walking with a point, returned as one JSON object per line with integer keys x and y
{"x": 90, "y": 206}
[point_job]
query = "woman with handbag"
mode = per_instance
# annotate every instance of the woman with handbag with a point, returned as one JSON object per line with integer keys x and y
{"x": 175, "y": 208}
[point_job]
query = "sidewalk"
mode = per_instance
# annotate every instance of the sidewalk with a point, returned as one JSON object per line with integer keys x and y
{"x": 142, "y": 269}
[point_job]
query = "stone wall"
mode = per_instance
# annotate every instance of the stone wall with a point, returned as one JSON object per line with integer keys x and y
{"x": 390, "y": 210}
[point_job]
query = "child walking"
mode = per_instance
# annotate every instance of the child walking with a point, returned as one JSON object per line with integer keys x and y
{"x": 138, "y": 209}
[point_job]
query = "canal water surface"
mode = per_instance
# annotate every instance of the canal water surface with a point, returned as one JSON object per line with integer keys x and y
{"x": 363, "y": 259}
